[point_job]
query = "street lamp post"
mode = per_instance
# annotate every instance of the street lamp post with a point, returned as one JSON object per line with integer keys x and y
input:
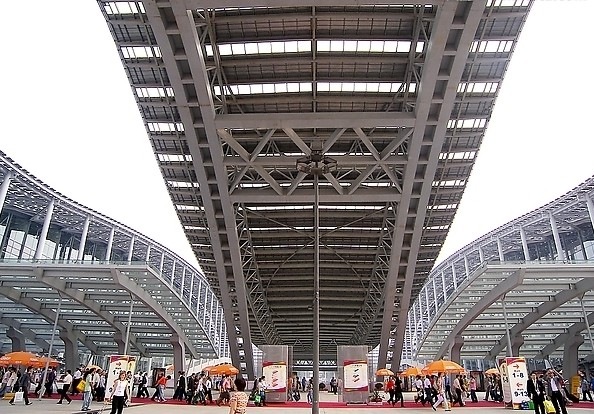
{"x": 316, "y": 164}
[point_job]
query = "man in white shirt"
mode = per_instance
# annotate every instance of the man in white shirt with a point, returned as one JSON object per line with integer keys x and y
{"x": 554, "y": 387}
{"x": 75, "y": 380}
{"x": 419, "y": 389}
{"x": 8, "y": 381}
{"x": 67, "y": 381}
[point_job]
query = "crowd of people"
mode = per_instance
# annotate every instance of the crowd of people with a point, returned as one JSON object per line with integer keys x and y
{"x": 88, "y": 382}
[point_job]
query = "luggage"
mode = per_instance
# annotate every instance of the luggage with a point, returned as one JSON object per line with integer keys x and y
{"x": 549, "y": 407}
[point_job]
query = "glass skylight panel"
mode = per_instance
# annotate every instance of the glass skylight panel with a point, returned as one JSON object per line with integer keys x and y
{"x": 165, "y": 126}
{"x": 174, "y": 157}
{"x": 492, "y": 46}
{"x": 154, "y": 92}
{"x": 448, "y": 183}
{"x": 462, "y": 155}
{"x": 136, "y": 52}
{"x": 467, "y": 123}
{"x": 182, "y": 184}
{"x": 478, "y": 87}
{"x": 367, "y": 46}
{"x": 262, "y": 88}
{"x": 367, "y": 87}
{"x": 508, "y": 3}
{"x": 261, "y": 48}
{"x": 123, "y": 7}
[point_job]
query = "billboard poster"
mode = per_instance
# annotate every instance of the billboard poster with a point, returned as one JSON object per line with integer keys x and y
{"x": 276, "y": 375}
{"x": 518, "y": 381}
{"x": 502, "y": 366}
{"x": 118, "y": 363}
{"x": 355, "y": 375}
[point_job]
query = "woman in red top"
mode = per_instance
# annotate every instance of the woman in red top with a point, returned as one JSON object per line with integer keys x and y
{"x": 390, "y": 388}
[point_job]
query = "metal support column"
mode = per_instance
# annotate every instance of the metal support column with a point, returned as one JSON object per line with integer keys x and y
{"x": 44, "y": 230}
{"x": 316, "y": 299}
{"x": 557, "y": 238}
{"x": 524, "y": 244}
{"x": 4, "y": 188}
{"x": 129, "y": 325}
{"x": 109, "y": 245}
{"x": 507, "y": 334}
{"x": 586, "y": 322}
{"x": 83, "y": 239}
{"x": 51, "y": 345}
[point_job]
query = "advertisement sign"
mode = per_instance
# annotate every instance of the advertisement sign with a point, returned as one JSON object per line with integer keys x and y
{"x": 502, "y": 366}
{"x": 518, "y": 381}
{"x": 118, "y": 363}
{"x": 276, "y": 375}
{"x": 355, "y": 375}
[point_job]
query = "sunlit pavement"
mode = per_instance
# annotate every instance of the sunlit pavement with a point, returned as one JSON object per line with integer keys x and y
{"x": 46, "y": 406}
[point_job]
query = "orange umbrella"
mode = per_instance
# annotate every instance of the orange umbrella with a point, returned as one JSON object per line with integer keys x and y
{"x": 19, "y": 358}
{"x": 223, "y": 369}
{"x": 383, "y": 372}
{"x": 443, "y": 366}
{"x": 43, "y": 361}
{"x": 492, "y": 371}
{"x": 411, "y": 372}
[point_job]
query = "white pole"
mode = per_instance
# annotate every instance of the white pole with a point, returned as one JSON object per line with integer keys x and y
{"x": 49, "y": 352}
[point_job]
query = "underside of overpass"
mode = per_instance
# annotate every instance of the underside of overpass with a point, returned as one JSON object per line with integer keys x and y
{"x": 397, "y": 97}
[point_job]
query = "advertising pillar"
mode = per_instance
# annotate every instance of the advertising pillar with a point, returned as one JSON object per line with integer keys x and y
{"x": 353, "y": 375}
{"x": 118, "y": 363}
{"x": 518, "y": 382}
{"x": 275, "y": 369}
{"x": 502, "y": 366}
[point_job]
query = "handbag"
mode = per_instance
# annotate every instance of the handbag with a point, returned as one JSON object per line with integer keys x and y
{"x": 18, "y": 396}
{"x": 80, "y": 387}
{"x": 549, "y": 407}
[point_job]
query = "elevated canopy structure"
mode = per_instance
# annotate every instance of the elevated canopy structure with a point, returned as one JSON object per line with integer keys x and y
{"x": 532, "y": 278}
{"x": 102, "y": 281}
{"x": 234, "y": 93}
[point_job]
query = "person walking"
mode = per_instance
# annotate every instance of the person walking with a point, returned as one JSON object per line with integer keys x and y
{"x": 536, "y": 391}
{"x": 24, "y": 383}
{"x": 472, "y": 386}
{"x": 398, "y": 395}
{"x": 239, "y": 399}
{"x": 585, "y": 386}
{"x": 441, "y": 397}
{"x": 119, "y": 393}
{"x": 554, "y": 388}
{"x": 67, "y": 382}
{"x": 88, "y": 389}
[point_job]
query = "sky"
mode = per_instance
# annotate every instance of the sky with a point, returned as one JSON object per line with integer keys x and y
{"x": 69, "y": 118}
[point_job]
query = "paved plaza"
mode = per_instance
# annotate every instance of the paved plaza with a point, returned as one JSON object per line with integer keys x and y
{"x": 49, "y": 406}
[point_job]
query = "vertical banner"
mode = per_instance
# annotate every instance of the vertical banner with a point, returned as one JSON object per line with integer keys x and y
{"x": 276, "y": 375}
{"x": 502, "y": 366}
{"x": 118, "y": 363}
{"x": 518, "y": 381}
{"x": 355, "y": 375}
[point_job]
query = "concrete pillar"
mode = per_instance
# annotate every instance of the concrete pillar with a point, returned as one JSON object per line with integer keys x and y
{"x": 121, "y": 342}
{"x": 17, "y": 338}
{"x": 179, "y": 356}
{"x": 70, "y": 350}
{"x": 517, "y": 343}
{"x": 570, "y": 355}
{"x": 455, "y": 348}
